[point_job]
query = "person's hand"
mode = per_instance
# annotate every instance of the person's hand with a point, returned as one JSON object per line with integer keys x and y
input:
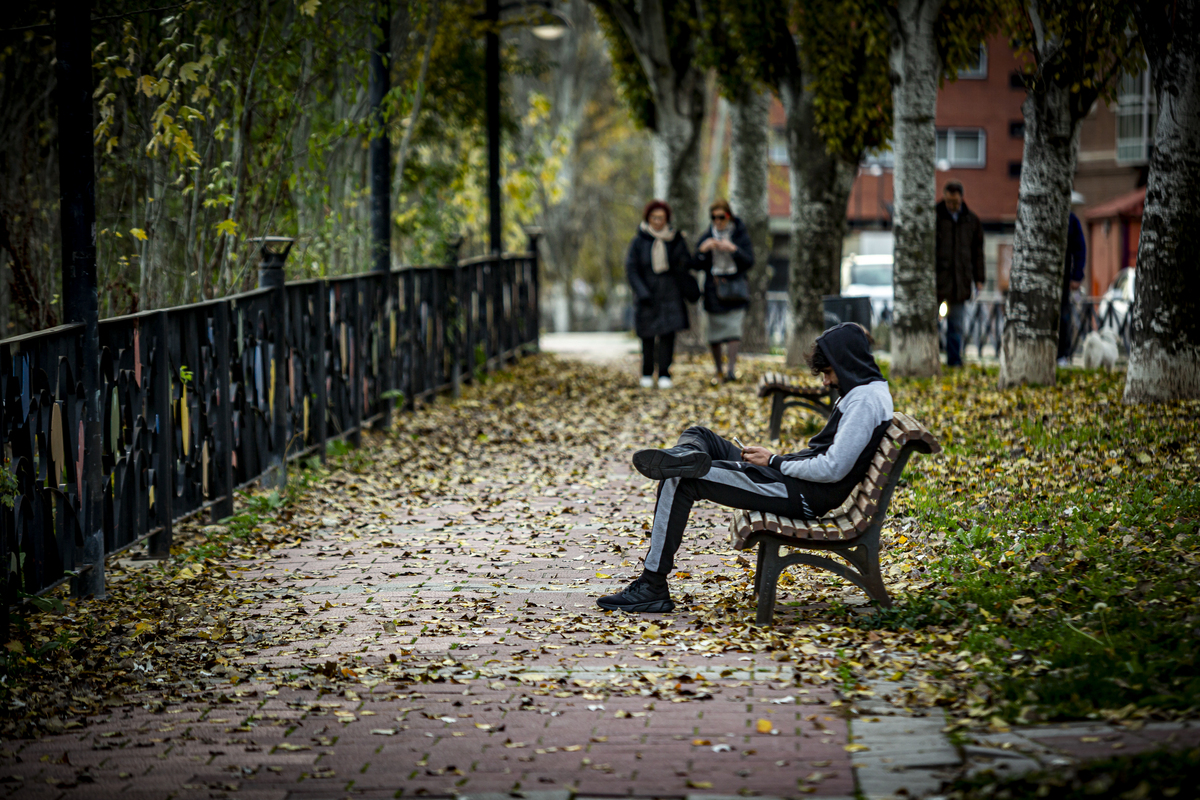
{"x": 1075, "y": 285}
{"x": 758, "y": 456}
{"x": 707, "y": 245}
{"x": 728, "y": 247}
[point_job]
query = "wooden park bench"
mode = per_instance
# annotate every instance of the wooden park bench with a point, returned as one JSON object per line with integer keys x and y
{"x": 786, "y": 392}
{"x": 851, "y": 530}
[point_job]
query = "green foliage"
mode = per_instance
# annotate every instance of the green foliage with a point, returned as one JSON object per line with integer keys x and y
{"x": 1082, "y": 47}
{"x": 844, "y": 50}
{"x": 632, "y": 86}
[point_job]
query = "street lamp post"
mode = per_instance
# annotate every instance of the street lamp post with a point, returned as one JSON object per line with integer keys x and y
{"x": 492, "y": 109}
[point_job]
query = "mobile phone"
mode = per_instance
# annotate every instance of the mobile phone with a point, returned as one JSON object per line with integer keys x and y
{"x": 738, "y": 442}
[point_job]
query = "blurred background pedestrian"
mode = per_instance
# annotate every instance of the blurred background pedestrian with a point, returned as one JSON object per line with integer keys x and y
{"x": 657, "y": 267}
{"x": 725, "y": 254}
{"x": 1073, "y": 269}
{"x": 959, "y": 263}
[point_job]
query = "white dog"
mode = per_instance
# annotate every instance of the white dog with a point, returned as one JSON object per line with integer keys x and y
{"x": 1100, "y": 349}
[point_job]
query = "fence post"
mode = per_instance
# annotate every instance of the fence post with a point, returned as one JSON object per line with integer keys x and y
{"x": 410, "y": 309}
{"x": 223, "y": 481}
{"x": 159, "y": 545}
{"x": 77, "y": 190}
{"x": 534, "y": 312}
{"x": 272, "y": 277}
{"x": 321, "y": 412}
{"x": 357, "y": 368}
{"x": 460, "y": 319}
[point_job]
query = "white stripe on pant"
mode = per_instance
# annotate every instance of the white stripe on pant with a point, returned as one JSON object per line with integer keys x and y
{"x": 732, "y": 483}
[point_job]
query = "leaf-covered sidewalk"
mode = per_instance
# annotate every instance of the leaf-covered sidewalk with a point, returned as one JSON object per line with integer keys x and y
{"x": 421, "y": 619}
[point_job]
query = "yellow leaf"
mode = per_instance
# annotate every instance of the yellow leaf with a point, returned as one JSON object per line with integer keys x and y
{"x": 309, "y": 7}
{"x": 189, "y": 71}
{"x": 855, "y": 748}
{"x": 602, "y": 575}
{"x": 122, "y": 72}
{"x": 700, "y": 742}
{"x": 764, "y": 726}
{"x": 228, "y": 226}
{"x": 139, "y": 234}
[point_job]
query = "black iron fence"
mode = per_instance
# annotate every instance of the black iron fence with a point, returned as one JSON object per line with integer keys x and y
{"x": 198, "y": 401}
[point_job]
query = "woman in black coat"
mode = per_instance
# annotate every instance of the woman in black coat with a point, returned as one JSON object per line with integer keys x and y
{"x": 657, "y": 262}
{"x": 725, "y": 254}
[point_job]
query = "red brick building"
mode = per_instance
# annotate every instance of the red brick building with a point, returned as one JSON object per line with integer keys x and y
{"x": 980, "y": 144}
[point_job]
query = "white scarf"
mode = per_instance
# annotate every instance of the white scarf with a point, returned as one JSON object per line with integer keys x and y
{"x": 658, "y": 250}
{"x": 722, "y": 262}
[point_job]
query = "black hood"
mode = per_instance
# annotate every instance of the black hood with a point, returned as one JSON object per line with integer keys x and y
{"x": 846, "y": 347}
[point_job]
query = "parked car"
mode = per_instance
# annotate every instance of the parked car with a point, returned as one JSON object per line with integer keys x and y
{"x": 870, "y": 276}
{"x": 1115, "y": 303}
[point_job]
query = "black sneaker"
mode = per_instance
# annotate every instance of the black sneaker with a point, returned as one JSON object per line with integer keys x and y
{"x": 639, "y": 596}
{"x": 677, "y": 462}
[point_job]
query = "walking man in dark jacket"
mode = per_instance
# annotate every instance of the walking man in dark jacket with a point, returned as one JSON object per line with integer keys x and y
{"x": 959, "y": 263}
{"x": 808, "y": 484}
{"x": 1073, "y": 270}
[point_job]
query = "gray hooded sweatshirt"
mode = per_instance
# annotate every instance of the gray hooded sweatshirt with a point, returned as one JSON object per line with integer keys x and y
{"x": 838, "y": 457}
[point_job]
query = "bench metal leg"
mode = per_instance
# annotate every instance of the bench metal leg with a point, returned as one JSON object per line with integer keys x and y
{"x": 863, "y": 571}
{"x": 767, "y": 580}
{"x": 866, "y": 558}
{"x": 777, "y": 407}
{"x": 758, "y": 570}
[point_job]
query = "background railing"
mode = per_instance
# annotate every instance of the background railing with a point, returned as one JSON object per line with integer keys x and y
{"x": 201, "y": 400}
{"x": 984, "y": 322}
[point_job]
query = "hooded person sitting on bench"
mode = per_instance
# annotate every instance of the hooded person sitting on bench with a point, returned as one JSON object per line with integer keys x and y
{"x": 806, "y": 485}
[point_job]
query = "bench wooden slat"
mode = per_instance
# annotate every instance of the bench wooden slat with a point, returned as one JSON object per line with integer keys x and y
{"x": 857, "y": 519}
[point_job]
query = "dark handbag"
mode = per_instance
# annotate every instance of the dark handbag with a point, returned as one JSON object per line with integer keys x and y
{"x": 733, "y": 291}
{"x": 688, "y": 286}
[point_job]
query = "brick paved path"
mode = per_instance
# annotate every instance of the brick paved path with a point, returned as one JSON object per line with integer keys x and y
{"x": 437, "y": 637}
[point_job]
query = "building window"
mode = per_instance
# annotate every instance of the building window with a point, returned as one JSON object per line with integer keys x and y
{"x": 1016, "y": 129}
{"x": 976, "y": 70}
{"x": 881, "y": 157}
{"x": 1014, "y": 169}
{"x": 962, "y": 147}
{"x": 1136, "y": 114}
{"x": 777, "y": 152}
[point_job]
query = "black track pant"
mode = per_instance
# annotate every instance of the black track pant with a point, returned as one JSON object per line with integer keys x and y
{"x": 661, "y": 349}
{"x": 730, "y": 482}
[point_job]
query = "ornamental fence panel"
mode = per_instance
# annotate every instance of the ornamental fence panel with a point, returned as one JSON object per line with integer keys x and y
{"x": 198, "y": 401}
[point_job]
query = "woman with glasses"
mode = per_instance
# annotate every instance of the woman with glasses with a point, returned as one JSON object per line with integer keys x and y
{"x": 657, "y": 268}
{"x": 725, "y": 254}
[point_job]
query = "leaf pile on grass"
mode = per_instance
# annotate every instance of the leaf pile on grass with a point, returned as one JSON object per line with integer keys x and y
{"x": 1157, "y": 775}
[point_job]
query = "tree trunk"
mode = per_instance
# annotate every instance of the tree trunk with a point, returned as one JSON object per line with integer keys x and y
{"x": 1164, "y": 360}
{"x": 749, "y": 181}
{"x": 1031, "y": 311}
{"x": 820, "y": 190}
{"x": 716, "y": 153}
{"x": 916, "y": 66}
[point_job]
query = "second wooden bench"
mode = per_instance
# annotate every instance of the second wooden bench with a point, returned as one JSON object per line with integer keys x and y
{"x": 786, "y": 392}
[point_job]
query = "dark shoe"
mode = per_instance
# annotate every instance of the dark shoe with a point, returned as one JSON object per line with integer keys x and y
{"x": 640, "y": 596}
{"x": 677, "y": 462}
